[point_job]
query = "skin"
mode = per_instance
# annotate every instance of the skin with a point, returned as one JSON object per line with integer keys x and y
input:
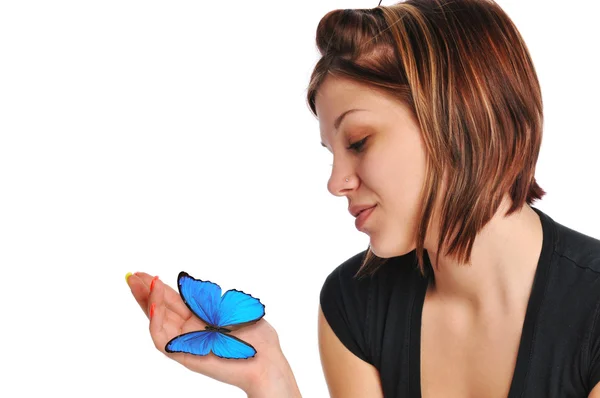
{"x": 472, "y": 319}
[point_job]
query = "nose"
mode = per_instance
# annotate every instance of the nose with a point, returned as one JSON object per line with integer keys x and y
{"x": 337, "y": 184}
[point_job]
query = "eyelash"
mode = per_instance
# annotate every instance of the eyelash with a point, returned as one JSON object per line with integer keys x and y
{"x": 357, "y": 146}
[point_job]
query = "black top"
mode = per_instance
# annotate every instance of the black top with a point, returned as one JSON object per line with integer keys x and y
{"x": 378, "y": 318}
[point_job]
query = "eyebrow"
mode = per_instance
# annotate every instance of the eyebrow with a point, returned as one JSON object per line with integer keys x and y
{"x": 340, "y": 118}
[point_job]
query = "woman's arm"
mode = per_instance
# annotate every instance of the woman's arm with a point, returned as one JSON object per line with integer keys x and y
{"x": 595, "y": 392}
{"x": 277, "y": 381}
{"x": 347, "y": 376}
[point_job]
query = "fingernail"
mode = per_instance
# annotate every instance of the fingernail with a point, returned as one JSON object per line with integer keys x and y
{"x": 127, "y": 275}
{"x": 153, "y": 281}
{"x": 152, "y": 310}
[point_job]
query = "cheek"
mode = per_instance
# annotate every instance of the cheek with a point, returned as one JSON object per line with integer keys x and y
{"x": 394, "y": 174}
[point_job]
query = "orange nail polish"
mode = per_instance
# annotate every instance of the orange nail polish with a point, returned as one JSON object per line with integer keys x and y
{"x": 152, "y": 283}
{"x": 152, "y": 310}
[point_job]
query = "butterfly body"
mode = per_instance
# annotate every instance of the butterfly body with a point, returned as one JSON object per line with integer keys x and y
{"x": 220, "y": 313}
{"x": 217, "y": 329}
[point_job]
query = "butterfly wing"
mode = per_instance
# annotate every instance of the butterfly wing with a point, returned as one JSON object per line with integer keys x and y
{"x": 204, "y": 341}
{"x": 228, "y": 346}
{"x": 238, "y": 307}
{"x": 203, "y": 298}
{"x": 197, "y": 343}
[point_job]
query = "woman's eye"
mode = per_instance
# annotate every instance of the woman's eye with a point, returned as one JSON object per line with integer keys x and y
{"x": 357, "y": 146}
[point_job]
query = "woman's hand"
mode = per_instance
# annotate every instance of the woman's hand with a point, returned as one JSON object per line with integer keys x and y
{"x": 170, "y": 317}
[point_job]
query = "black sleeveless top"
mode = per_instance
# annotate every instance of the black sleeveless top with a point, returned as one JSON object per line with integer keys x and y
{"x": 378, "y": 318}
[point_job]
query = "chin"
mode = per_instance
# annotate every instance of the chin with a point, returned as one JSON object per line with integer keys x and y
{"x": 389, "y": 249}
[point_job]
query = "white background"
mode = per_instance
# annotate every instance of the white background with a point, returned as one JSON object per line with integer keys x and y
{"x": 167, "y": 136}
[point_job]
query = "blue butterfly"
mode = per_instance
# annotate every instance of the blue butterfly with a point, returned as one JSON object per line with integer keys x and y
{"x": 235, "y": 308}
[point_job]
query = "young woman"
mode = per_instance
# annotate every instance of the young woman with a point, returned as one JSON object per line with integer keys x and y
{"x": 433, "y": 113}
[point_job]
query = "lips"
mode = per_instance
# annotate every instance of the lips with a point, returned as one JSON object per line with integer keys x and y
{"x": 357, "y": 209}
{"x": 364, "y": 210}
{"x": 362, "y": 217}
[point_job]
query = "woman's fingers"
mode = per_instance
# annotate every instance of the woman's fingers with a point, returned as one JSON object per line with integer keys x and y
{"x": 172, "y": 298}
{"x": 164, "y": 323}
{"x": 157, "y": 314}
{"x": 140, "y": 291}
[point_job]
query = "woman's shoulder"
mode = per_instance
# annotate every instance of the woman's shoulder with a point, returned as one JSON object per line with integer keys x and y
{"x": 570, "y": 314}
{"x": 356, "y": 308}
{"x": 578, "y": 248}
{"x": 576, "y": 268}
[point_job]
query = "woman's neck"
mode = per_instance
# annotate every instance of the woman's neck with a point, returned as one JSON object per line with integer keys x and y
{"x": 503, "y": 264}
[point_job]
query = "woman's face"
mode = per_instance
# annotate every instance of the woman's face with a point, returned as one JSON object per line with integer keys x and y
{"x": 387, "y": 170}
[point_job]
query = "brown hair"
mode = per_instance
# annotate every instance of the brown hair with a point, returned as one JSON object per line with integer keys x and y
{"x": 465, "y": 73}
